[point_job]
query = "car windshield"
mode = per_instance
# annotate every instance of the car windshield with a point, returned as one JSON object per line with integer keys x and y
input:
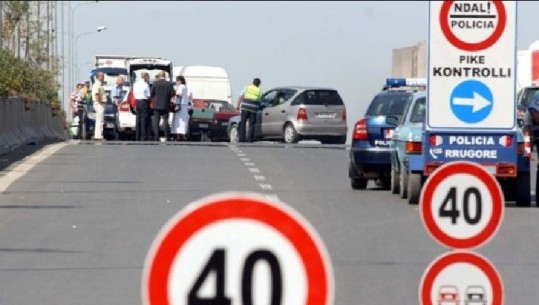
{"x": 136, "y": 73}
{"x": 219, "y": 106}
{"x": 418, "y": 113}
{"x": 388, "y": 104}
{"x": 111, "y": 74}
{"x": 529, "y": 95}
{"x": 322, "y": 97}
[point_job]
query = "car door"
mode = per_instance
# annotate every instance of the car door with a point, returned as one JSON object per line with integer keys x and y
{"x": 263, "y": 117}
{"x": 276, "y": 111}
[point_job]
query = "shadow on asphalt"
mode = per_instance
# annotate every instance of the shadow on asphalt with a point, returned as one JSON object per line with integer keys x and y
{"x": 10, "y": 158}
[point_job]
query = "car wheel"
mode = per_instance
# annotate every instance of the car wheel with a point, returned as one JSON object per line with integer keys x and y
{"x": 233, "y": 134}
{"x": 403, "y": 185}
{"x": 358, "y": 183}
{"x": 523, "y": 189}
{"x": 414, "y": 187}
{"x": 290, "y": 134}
{"x": 395, "y": 181}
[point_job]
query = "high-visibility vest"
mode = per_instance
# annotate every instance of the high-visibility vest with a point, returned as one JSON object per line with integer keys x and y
{"x": 252, "y": 93}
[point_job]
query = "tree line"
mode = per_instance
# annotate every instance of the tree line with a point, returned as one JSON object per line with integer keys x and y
{"x": 29, "y": 60}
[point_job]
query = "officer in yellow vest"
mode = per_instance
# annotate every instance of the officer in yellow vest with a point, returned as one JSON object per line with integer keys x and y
{"x": 249, "y": 103}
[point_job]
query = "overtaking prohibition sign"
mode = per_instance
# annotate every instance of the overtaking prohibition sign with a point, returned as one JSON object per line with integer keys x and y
{"x": 462, "y": 205}
{"x": 237, "y": 248}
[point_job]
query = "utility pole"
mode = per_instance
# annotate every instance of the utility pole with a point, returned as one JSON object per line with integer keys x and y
{"x": 1, "y": 25}
{"x": 48, "y": 35}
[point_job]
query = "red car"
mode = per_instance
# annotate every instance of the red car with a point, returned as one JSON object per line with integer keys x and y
{"x": 209, "y": 120}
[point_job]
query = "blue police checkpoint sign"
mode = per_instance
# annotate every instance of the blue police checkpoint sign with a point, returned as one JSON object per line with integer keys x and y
{"x": 208, "y": 253}
{"x": 471, "y": 67}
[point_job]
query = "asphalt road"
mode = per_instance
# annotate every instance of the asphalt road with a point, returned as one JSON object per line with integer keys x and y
{"x": 77, "y": 227}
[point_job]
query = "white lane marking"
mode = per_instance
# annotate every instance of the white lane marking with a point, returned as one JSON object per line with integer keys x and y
{"x": 23, "y": 168}
{"x": 245, "y": 159}
{"x": 249, "y": 164}
{"x": 241, "y": 155}
{"x": 254, "y": 170}
{"x": 266, "y": 186}
{"x": 259, "y": 178}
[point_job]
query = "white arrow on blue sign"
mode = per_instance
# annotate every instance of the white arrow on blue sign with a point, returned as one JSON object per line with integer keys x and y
{"x": 471, "y": 101}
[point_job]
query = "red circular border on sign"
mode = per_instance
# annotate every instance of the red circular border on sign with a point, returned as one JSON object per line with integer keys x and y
{"x": 455, "y": 168}
{"x": 460, "y": 257}
{"x": 318, "y": 286}
{"x": 478, "y": 46}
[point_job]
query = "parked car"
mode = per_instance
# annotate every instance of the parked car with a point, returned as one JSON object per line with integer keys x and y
{"x": 408, "y": 154}
{"x": 406, "y": 147}
{"x": 135, "y": 67}
{"x": 300, "y": 113}
{"x": 209, "y": 120}
{"x": 372, "y": 135}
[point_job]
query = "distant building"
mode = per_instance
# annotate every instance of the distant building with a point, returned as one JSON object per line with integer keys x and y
{"x": 410, "y": 62}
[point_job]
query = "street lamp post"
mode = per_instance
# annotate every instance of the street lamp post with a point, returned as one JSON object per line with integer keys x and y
{"x": 72, "y": 45}
{"x": 82, "y": 65}
{"x": 98, "y": 30}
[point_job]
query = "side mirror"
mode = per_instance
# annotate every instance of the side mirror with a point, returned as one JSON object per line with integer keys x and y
{"x": 392, "y": 120}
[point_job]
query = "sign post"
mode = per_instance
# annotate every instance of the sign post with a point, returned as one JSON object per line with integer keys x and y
{"x": 237, "y": 248}
{"x": 462, "y": 208}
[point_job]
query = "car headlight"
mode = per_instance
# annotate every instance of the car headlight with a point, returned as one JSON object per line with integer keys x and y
{"x": 91, "y": 115}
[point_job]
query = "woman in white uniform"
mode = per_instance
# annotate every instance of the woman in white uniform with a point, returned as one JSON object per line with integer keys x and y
{"x": 180, "y": 121}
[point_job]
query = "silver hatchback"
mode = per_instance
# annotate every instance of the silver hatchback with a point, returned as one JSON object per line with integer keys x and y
{"x": 302, "y": 113}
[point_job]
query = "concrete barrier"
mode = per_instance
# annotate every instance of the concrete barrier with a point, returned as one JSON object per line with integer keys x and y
{"x": 25, "y": 122}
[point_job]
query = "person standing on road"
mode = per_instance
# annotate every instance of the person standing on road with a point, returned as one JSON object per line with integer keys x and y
{"x": 141, "y": 92}
{"x": 184, "y": 98}
{"x": 118, "y": 91}
{"x": 533, "y": 111}
{"x": 162, "y": 92}
{"x": 75, "y": 100}
{"x": 99, "y": 98}
{"x": 249, "y": 103}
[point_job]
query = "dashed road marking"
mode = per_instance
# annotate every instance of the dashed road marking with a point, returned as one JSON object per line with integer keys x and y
{"x": 249, "y": 164}
{"x": 241, "y": 155}
{"x": 259, "y": 178}
{"x": 245, "y": 159}
{"x": 266, "y": 186}
{"x": 254, "y": 170}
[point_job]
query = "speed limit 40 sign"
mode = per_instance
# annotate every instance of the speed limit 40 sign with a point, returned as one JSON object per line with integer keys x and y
{"x": 462, "y": 205}
{"x": 237, "y": 248}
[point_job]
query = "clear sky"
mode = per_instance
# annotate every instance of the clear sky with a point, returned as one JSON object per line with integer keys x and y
{"x": 344, "y": 45}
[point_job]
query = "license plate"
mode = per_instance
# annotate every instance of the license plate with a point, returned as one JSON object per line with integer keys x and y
{"x": 325, "y": 115}
{"x": 203, "y": 125}
{"x": 110, "y": 125}
{"x": 224, "y": 123}
{"x": 388, "y": 133}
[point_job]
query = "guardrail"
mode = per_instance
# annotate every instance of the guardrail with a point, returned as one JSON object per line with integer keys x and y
{"x": 25, "y": 122}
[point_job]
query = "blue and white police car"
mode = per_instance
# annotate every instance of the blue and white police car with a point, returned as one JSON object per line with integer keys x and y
{"x": 372, "y": 135}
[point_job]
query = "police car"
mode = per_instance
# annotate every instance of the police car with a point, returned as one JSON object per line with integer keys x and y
{"x": 372, "y": 135}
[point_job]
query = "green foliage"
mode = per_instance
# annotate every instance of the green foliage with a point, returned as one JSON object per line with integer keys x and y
{"x": 24, "y": 79}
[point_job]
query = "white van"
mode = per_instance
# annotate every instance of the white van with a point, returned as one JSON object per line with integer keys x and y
{"x": 206, "y": 82}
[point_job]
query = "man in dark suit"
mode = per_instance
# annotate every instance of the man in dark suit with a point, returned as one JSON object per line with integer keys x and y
{"x": 161, "y": 93}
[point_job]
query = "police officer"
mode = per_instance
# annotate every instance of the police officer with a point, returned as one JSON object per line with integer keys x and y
{"x": 533, "y": 113}
{"x": 249, "y": 103}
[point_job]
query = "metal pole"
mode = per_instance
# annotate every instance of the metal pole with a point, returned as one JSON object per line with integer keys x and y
{"x": 48, "y": 35}
{"x": 63, "y": 57}
{"x": 1, "y": 25}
